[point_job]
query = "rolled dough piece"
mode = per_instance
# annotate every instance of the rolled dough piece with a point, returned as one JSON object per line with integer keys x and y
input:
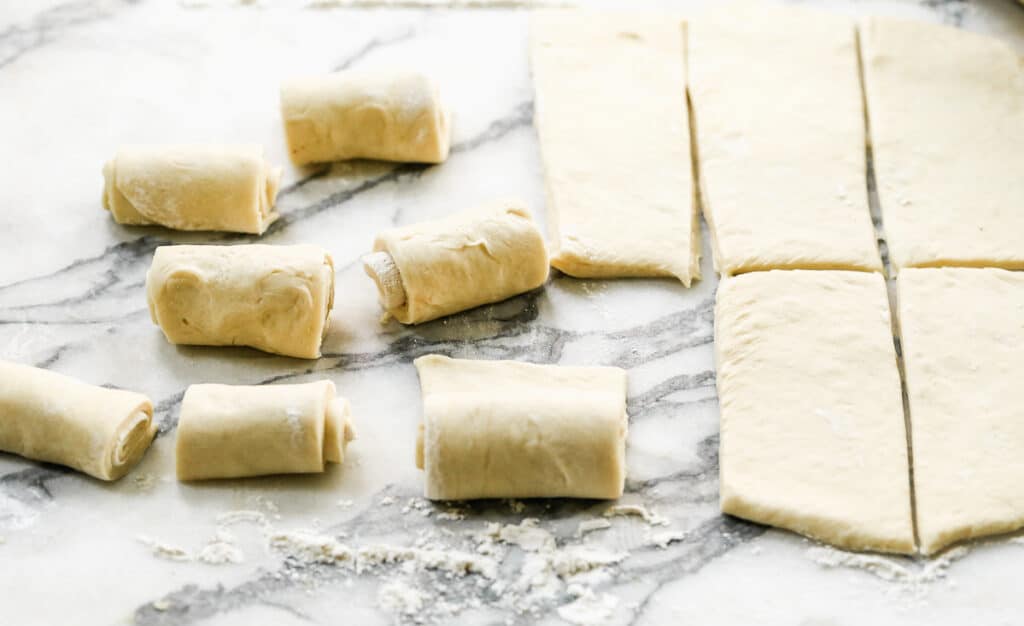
{"x": 365, "y": 114}
{"x": 779, "y": 124}
{"x": 273, "y": 298}
{"x": 615, "y": 141}
{"x": 812, "y": 430}
{"x": 504, "y": 429}
{"x": 437, "y": 268}
{"x": 231, "y": 431}
{"x": 963, "y": 341}
{"x": 946, "y": 111}
{"x": 192, "y": 187}
{"x": 50, "y": 417}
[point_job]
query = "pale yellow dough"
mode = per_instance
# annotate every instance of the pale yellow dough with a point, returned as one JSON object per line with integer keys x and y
{"x": 365, "y": 114}
{"x": 50, "y": 417}
{"x": 946, "y": 110}
{"x": 273, "y": 298}
{"x": 812, "y": 429}
{"x": 192, "y": 187}
{"x": 779, "y": 122}
{"x": 459, "y": 262}
{"x": 963, "y": 340}
{"x": 612, "y": 121}
{"x": 504, "y": 429}
{"x": 232, "y": 431}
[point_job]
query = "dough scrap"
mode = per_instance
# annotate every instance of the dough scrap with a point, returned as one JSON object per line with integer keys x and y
{"x": 390, "y": 115}
{"x": 233, "y": 431}
{"x": 812, "y": 429}
{"x": 779, "y": 125}
{"x": 471, "y": 258}
{"x": 272, "y": 298}
{"x": 963, "y": 340}
{"x": 192, "y": 187}
{"x": 55, "y": 418}
{"x": 612, "y": 120}
{"x": 946, "y": 111}
{"x": 505, "y": 429}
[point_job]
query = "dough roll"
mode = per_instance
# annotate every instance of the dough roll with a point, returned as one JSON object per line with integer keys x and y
{"x": 272, "y": 298}
{"x": 386, "y": 115}
{"x": 51, "y": 417}
{"x": 504, "y": 429}
{"x": 432, "y": 269}
{"x": 231, "y": 431}
{"x": 192, "y": 187}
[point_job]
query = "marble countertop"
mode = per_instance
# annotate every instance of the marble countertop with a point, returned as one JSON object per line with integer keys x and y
{"x": 79, "y": 78}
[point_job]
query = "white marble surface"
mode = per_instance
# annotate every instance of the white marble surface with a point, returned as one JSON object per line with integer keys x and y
{"x": 78, "y": 79}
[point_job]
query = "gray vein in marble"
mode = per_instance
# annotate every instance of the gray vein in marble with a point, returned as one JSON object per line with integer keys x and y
{"x": 371, "y": 46}
{"x": 18, "y": 40}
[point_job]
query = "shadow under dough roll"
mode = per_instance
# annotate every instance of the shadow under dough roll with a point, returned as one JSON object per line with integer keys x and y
{"x": 192, "y": 187}
{"x": 505, "y": 429}
{"x": 273, "y": 298}
{"x": 51, "y": 417}
{"x": 432, "y": 269}
{"x": 365, "y": 114}
{"x": 231, "y": 431}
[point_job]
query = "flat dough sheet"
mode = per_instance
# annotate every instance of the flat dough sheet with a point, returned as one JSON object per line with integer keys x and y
{"x": 963, "y": 346}
{"x": 812, "y": 431}
{"x": 615, "y": 140}
{"x": 779, "y": 121}
{"x": 946, "y": 110}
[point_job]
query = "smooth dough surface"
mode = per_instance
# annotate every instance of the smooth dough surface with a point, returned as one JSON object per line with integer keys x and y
{"x": 963, "y": 347}
{"x": 812, "y": 430}
{"x": 232, "y": 431}
{"x": 365, "y": 114}
{"x": 505, "y": 429}
{"x": 465, "y": 260}
{"x": 779, "y": 122}
{"x": 946, "y": 111}
{"x": 615, "y": 140}
{"x": 51, "y": 417}
{"x": 273, "y": 298}
{"x": 192, "y": 187}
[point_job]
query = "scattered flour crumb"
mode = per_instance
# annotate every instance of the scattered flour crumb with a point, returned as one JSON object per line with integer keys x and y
{"x": 589, "y": 525}
{"x": 888, "y": 568}
{"x": 219, "y": 552}
{"x": 386, "y": 501}
{"x": 242, "y": 517}
{"x": 588, "y": 608}
{"x": 755, "y": 550}
{"x": 161, "y": 605}
{"x": 398, "y": 597}
{"x": 636, "y": 510}
{"x": 526, "y": 535}
{"x": 452, "y": 514}
{"x": 664, "y": 538}
{"x": 345, "y": 503}
{"x": 164, "y": 551}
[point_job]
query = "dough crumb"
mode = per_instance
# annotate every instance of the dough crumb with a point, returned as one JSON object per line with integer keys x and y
{"x": 588, "y": 608}
{"x": 636, "y": 510}
{"x": 889, "y": 568}
{"x": 664, "y": 538}
{"x": 590, "y": 525}
{"x": 400, "y": 598}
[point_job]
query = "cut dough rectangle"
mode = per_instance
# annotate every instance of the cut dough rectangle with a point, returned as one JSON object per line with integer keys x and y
{"x": 946, "y": 110}
{"x": 812, "y": 429}
{"x": 779, "y": 123}
{"x": 504, "y": 429}
{"x": 963, "y": 347}
{"x": 612, "y": 120}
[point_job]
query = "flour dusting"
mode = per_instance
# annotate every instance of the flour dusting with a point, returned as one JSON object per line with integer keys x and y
{"x": 888, "y": 568}
{"x": 636, "y": 510}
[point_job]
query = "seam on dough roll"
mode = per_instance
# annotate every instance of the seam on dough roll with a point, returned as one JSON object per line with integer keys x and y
{"x": 192, "y": 187}
{"x": 459, "y": 262}
{"x": 55, "y": 418}
{"x": 234, "y": 431}
{"x": 390, "y": 115}
{"x": 273, "y": 298}
{"x": 505, "y": 429}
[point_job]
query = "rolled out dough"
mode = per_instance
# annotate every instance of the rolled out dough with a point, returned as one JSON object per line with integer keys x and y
{"x": 232, "y": 431}
{"x": 812, "y": 430}
{"x": 50, "y": 417}
{"x": 273, "y": 298}
{"x": 370, "y": 114}
{"x": 779, "y": 126}
{"x": 963, "y": 340}
{"x": 946, "y": 110}
{"x": 459, "y": 262}
{"x": 504, "y": 429}
{"x": 614, "y": 136}
{"x": 192, "y": 187}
